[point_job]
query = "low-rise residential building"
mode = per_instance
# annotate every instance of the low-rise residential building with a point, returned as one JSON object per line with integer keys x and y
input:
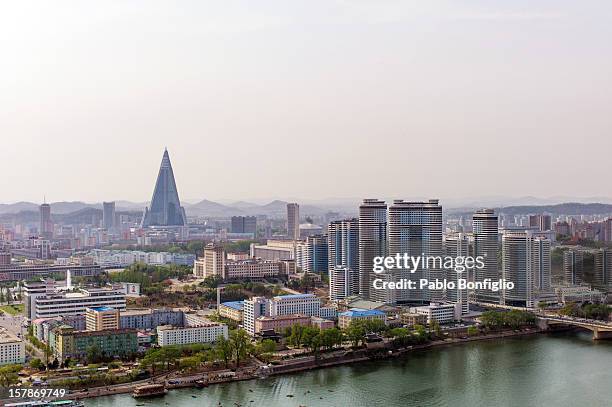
{"x": 67, "y": 343}
{"x": 12, "y": 349}
{"x": 355, "y": 314}
{"x": 278, "y": 323}
{"x": 322, "y": 323}
{"x": 124, "y": 258}
{"x": 147, "y": 318}
{"x": 168, "y": 335}
{"x": 232, "y": 310}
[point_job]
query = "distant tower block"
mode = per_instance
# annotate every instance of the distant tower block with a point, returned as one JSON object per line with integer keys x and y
{"x": 166, "y": 209}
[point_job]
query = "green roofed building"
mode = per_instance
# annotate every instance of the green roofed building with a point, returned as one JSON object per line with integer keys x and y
{"x": 68, "y": 343}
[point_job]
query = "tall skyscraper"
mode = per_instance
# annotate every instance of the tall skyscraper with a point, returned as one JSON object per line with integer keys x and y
{"x": 46, "y": 225}
{"x": 343, "y": 244}
{"x": 457, "y": 245}
{"x": 526, "y": 263}
{"x": 372, "y": 242}
{"x": 603, "y": 269}
{"x": 108, "y": 215}
{"x": 166, "y": 209}
{"x": 293, "y": 221}
{"x": 415, "y": 228}
{"x": 516, "y": 259}
{"x": 540, "y": 262}
{"x": 486, "y": 245}
{"x": 573, "y": 266}
{"x": 316, "y": 254}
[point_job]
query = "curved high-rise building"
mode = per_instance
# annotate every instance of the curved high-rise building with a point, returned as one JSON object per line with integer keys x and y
{"x": 457, "y": 245}
{"x": 415, "y": 228}
{"x": 486, "y": 244}
{"x": 343, "y": 244}
{"x": 372, "y": 243}
{"x": 166, "y": 209}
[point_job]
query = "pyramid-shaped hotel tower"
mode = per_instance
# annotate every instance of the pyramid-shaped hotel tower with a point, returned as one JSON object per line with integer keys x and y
{"x": 166, "y": 209}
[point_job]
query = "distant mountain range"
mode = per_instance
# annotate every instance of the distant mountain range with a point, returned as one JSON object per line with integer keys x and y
{"x": 277, "y": 209}
{"x": 272, "y": 209}
{"x": 570, "y": 208}
{"x": 204, "y": 208}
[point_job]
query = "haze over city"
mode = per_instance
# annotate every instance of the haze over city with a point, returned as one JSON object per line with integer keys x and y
{"x": 346, "y": 99}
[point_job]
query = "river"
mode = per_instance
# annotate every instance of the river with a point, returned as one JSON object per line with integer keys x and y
{"x": 564, "y": 369}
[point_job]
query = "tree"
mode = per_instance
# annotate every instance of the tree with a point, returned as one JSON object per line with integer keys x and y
{"x": 224, "y": 349}
{"x": 310, "y": 337}
{"x": 240, "y": 343}
{"x": 356, "y": 332}
{"x": 401, "y": 336}
{"x": 421, "y": 333}
{"x": 296, "y": 337}
{"x": 8, "y": 375}
{"x": 472, "y": 331}
{"x": 265, "y": 346}
{"x": 374, "y": 325}
{"x": 47, "y": 351}
{"x": 37, "y": 364}
{"x": 434, "y": 326}
{"x": 94, "y": 354}
{"x": 330, "y": 338}
{"x": 190, "y": 363}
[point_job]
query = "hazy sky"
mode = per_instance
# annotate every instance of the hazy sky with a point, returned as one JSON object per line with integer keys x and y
{"x": 312, "y": 99}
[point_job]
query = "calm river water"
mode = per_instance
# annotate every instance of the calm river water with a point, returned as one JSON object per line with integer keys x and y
{"x": 541, "y": 370}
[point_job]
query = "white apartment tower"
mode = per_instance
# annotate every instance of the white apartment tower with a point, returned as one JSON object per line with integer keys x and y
{"x": 343, "y": 282}
{"x": 372, "y": 242}
{"x": 457, "y": 245}
{"x": 486, "y": 245}
{"x": 343, "y": 244}
{"x": 526, "y": 263}
{"x": 415, "y": 228}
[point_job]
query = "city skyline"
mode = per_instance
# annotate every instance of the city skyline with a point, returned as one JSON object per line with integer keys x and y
{"x": 517, "y": 94}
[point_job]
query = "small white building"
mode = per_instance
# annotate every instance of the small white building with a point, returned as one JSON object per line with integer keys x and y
{"x": 12, "y": 349}
{"x": 443, "y": 313}
{"x": 168, "y": 335}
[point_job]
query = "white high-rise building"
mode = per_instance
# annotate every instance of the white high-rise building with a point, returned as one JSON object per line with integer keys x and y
{"x": 343, "y": 282}
{"x": 540, "y": 262}
{"x": 486, "y": 245}
{"x": 526, "y": 263}
{"x": 343, "y": 244}
{"x": 372, "y": 243}
{"x": 457, "y": 245}
{"x": 415, "y": 228}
